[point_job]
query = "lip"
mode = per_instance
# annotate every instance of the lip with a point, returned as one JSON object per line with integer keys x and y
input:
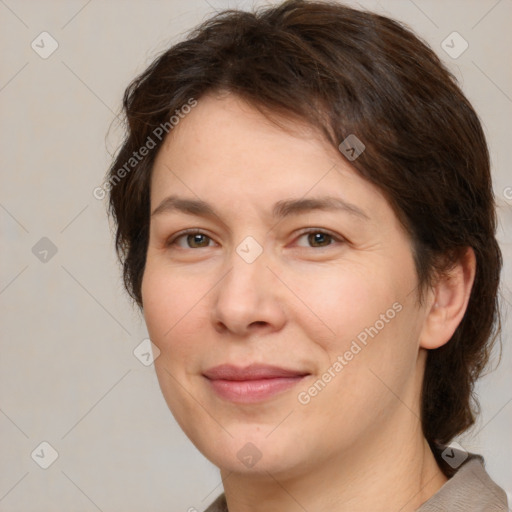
{"x": 253, "y": 383}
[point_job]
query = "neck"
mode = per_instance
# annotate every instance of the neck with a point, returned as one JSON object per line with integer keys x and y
{"x": 389, "y": 478}
{"x": 390, "y": 468}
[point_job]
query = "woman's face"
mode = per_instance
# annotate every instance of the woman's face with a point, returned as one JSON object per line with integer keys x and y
{"x": 280, "y": 348}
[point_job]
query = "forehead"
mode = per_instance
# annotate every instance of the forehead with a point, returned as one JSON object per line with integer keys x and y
{"x": 225, "y": 150}
{"x": 227, "y": 127}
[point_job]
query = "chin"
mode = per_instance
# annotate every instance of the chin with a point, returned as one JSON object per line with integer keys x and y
{"x": 252, "y": 451}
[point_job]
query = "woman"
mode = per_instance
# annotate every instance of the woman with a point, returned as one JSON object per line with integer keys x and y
{"x": 305, "y": 216}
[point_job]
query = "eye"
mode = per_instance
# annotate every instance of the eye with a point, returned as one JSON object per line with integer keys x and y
{"x": 319, "y": 238}
{"x": 193, "y": 239}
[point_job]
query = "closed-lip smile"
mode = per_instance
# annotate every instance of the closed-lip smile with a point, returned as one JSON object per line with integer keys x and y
{"x": 253, "y": 383}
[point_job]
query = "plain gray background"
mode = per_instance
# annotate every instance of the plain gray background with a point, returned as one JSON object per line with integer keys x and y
{"x": 68, "y": 373}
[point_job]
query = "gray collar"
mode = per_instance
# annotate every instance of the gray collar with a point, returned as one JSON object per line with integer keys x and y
{"x": 469, "y": 490}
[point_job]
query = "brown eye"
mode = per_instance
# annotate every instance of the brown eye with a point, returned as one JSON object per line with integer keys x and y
{"x": 322, "y": 239}
{"x": 193, "y": 240}
{"x": 197, "y": 240}
{"x": 318, "y": 238}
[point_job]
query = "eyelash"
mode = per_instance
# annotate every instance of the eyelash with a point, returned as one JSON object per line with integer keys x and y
{"x": 308, "y": 231}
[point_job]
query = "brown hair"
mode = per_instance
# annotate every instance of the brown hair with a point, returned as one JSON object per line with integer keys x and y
{"x": 347, "y": 72}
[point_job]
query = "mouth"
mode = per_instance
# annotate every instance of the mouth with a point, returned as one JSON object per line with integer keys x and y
{"x": 253, "y": 383}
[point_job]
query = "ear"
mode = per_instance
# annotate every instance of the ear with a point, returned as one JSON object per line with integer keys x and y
{"x": 448, "y": 302}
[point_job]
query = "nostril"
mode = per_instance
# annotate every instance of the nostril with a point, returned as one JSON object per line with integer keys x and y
{"x": 259, "y": 323}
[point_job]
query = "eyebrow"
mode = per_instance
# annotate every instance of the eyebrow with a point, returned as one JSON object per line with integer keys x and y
{"x": 281, "y": 209}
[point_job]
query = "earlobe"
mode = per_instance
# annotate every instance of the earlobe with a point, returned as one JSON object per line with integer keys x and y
{"x": 450, "y": 297}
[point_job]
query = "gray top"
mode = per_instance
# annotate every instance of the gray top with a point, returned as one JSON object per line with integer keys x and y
{"x": 470, "y": 489}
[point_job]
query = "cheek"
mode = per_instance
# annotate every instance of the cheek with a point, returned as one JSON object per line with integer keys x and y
{"x": 364, "y": 369}
{"x": 369, "y": 328}
{"x": 345, "y": 302}
{"x": 171, "y": 305}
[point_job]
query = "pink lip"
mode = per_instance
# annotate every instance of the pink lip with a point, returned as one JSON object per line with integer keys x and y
{"x": 253, "y": 383}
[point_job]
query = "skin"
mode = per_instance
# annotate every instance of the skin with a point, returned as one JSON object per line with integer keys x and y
{"x": 357, "y": 445}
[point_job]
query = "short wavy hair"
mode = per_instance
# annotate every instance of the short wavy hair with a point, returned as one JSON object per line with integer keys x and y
{"x": 344, "y": 71}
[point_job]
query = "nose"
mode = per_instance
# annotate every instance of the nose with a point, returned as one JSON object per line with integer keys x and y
{"x": 248, "y": 299}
